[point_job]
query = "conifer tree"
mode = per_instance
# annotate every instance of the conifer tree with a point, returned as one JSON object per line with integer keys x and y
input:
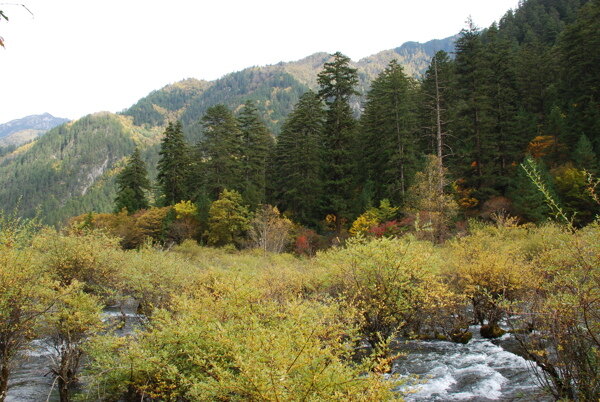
{"x": 505, "y": 146}
{"x": 173, "y": 166}
{"x": 337, "y": 83}
{"x": 132, "y": 183}
{"x": 388, "y": 127}
{"x": 221, "y": 151}
{"x": 256, "y": 146}
{"x": 471, "y": 126}
{"x": 296, "y": 179}
{"x": 584, "y": 155}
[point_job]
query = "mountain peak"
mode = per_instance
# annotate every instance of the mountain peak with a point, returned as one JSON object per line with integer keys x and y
{"x": 19, "y": 131}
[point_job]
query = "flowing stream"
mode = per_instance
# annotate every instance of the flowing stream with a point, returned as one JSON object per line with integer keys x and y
{"x": 481, "y": 370}
{"x": 31, "y": 380}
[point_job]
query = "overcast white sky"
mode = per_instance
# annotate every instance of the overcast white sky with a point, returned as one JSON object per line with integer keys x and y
{"x": 75, "y": 57}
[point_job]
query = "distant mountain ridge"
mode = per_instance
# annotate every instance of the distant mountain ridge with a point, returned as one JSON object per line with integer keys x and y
{"x": 275, "y": 88}
{"x": 20, "y": 131}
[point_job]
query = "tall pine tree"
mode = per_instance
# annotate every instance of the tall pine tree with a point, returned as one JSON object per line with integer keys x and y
{"x": 579, "y": 51}
{"x": 297, "y": 161}
{"x": 256, "y": 146}
{"x": 472, "y": 125}
{"x": 505, "y": 146}
{"x": 388, "y": 134}
{"x": 173, "y": 166}
{"x": 221, "y": 152}
{"x": 337, "y": 83}
{"x": 132, "y": 184}
{"x": 436, "y": 104}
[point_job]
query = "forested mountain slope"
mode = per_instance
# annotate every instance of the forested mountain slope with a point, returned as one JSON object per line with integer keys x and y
{"x": 275, "y": 88}
{"x": 527, "y": 84}
{"x": 70, "y": 170}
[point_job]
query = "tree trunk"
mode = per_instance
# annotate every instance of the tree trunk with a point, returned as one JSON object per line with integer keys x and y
{"x": 4, "y": 372}
{"x": 63, "y": 390}
{"x": 439, "y": 134}
{"x": 400, "y": 149}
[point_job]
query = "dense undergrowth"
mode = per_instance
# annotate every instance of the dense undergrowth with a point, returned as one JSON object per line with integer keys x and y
{"x": 222, "y": 324}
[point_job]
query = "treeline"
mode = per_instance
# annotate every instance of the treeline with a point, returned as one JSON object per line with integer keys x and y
{"x": 508, "y": 94}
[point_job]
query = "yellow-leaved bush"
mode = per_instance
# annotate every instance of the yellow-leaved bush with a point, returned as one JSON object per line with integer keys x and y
{"x": 393, "y": 283}
{"x": 225, "y": 341}
{"x": 490, "y": 268}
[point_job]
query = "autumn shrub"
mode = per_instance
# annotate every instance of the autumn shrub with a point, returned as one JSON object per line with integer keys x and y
{"x": 433, "y": 206}
{"x": 92, "y": 258}
{"x": 387, "y": 229}
{"x": 185, "y": 224}
{"x": 152, "y": 223}
{"x": 153, "y": 277}
{"x": 269, "y": 230}
{"x": 227, "y": 343}
{"x": 393, "y": 283}
{"x": 490, "y": 267}
{"x": 277, "y": 276}
{"x": 73, "y": 317}
{"x": 228, "y": 220}
{"x": 164, "y": 226}
{"x": 572, "y": 186}
{"x": 564, "y": 313}
{"x": 307, "y": 242}
{"x": 120, "y": 225}
{"x": 25, "y": 292}
{"x": 373, "y": 217}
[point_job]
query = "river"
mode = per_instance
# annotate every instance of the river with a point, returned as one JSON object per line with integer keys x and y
{"x": 481, "y": 370}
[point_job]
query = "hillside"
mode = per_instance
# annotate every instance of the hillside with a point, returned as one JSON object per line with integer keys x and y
{"x": 20, "y": 131}
{"x": 275, "y": 88}
{"x": 68, "y": 170}
{"x": 71, "y": 169}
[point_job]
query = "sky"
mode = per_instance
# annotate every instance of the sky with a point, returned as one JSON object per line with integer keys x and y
{"x": 75, "y": 57}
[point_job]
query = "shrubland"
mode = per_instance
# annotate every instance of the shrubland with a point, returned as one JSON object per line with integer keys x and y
{"x": 229, "y": 324}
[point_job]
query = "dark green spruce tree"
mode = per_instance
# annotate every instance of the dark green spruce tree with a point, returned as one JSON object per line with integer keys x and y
{"x": 505, "y": 146}
{"x": 297, "y": 161}
{"x": 472, "y": 125}
{"x": 173, "y": 166}
{"x": 257, "y": 143}
{"x": 388, "y": 135}
{"x": 132, "y": 184}
{"x": 337, "y": 83}
{"x": 221, "y": 152}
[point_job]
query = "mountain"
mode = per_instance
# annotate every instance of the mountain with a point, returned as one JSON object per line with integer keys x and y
{"x": 20, "y": 131}
{"x": 275, "y": 88}
{"x": 71, "y": 169}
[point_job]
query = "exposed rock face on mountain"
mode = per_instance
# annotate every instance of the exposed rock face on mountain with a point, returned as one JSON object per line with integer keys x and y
{"x": 20, "y": 131}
